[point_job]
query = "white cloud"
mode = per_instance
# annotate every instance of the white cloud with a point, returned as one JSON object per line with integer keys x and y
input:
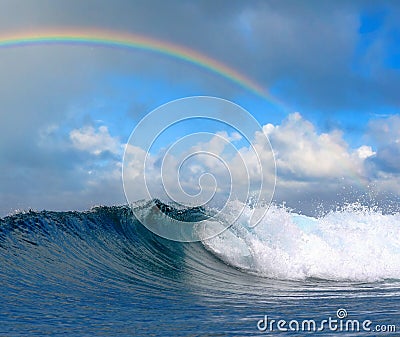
{"x": 94, "y": 141}
{"x": 183, "y": 174}
{"x": 305, "y": 159}
{"x": 304, "y": 154}
{"x": 308, "y": 163}
{"x": 365, "y": 152}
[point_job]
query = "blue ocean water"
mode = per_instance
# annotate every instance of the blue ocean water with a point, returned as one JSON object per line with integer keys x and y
{"x": 102, "y": 273}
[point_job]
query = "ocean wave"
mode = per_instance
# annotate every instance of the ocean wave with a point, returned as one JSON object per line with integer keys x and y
{"x": 352, "y": 244}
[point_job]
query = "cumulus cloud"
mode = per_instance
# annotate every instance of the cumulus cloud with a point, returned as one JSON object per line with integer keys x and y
{"x": 94, "y": 141}
{"x": 201, "y": 171}
{"x": 311, "y": 165}
{"x": 304, "y": 154}
{"x": 365, "y": 152}
{"x": 308, "y": 163}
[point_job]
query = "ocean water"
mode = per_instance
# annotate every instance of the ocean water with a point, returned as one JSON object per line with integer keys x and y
{"x": 102, "y": 273}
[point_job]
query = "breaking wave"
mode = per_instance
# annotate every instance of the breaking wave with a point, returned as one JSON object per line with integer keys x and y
{"x": 354, "y": 244}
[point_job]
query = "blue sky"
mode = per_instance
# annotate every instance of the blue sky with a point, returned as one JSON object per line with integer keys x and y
{"x": 67, "y": 111}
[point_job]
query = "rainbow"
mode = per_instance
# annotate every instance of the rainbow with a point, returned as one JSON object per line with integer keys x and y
{"x": 130, "y": 41}
{"x": 121, "y": 40}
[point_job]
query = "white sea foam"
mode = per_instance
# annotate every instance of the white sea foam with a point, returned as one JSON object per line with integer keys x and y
{"x": 355, "y": 243}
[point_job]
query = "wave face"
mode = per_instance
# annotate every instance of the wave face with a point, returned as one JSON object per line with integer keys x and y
{"x": 100, "y": 272}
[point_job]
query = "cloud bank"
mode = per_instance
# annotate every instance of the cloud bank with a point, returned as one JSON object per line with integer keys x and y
{"x": 311, "y": 166}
